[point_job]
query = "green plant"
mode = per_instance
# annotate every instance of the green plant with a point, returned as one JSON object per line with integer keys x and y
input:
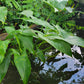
{"x": 22, "y": 41}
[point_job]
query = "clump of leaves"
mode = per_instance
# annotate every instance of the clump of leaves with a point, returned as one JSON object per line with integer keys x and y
{"x": 26, "y": 41}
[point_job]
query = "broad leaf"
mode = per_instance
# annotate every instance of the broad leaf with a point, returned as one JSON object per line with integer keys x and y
{"x": 58, "y": 4}
{"x": 3, "y": 13}
{"x": 35, "y": 20}
{"x": 69, "y": 9}
{"x": 69, "y": 37}
{"x": 65, "y": 36}
{"x": 27, "y": 42}
{"x": 39, "y": 22}
{"x": 4, "y": 67}
{"x": 9, "y": 29}
{"x": 58, "y": 44}
{"x": 25, "y": 30}
{"x": 23, "y": 65}
{"x": 27, "y": 13}
{"x": 3, "y": 48}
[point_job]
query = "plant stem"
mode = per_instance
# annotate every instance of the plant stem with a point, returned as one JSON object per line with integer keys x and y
{"x": 47, "y": 18}
{"x": 49, "y": 15}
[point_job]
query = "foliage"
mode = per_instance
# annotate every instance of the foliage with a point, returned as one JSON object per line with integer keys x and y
{"x": 16, "y": 18}
{"x": 3, "y": 47}
{"x": 3, "y": 12}
{"x": 23, "y": 65}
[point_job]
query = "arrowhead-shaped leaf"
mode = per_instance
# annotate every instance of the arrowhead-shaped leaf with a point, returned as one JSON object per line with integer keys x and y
{"x": 4, "y": 67}
{"x": 27, "y": 42}
{"x": 23, "y": 65}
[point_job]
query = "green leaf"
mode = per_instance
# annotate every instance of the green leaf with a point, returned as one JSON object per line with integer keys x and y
{"x": 3, "y": 14}
{"x": 27, "y": 13}
{"x": 40, "y": 54}
{"x": 27, "y": 1}
{"x": 69, "y": 9}
{"x": 17, "y": 39}
{"x": 69, "y": 37}
{"x": 27, "y": 42}
{"x": 4, "y": 67}
{"x": 75, "y": 40}
{"x": 3, "y": 48}
{"x": 58, "y": 4}
{"x": 25, "y": 30}
{"x": 9, "y": 29}
{"x": 15, "y": 3}
{"x": 58, "y": 44}
{"x": 8, "y": 2}
{"x": 39, "y": 22}
{"x": 71, "y": 23}
{"x": 65, "y": 36}
{"x": 23, "y": 65}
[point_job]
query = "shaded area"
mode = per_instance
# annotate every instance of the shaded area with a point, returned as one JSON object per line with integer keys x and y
{"x": 12, "y": 76}
{"x": 59, "y": 69}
